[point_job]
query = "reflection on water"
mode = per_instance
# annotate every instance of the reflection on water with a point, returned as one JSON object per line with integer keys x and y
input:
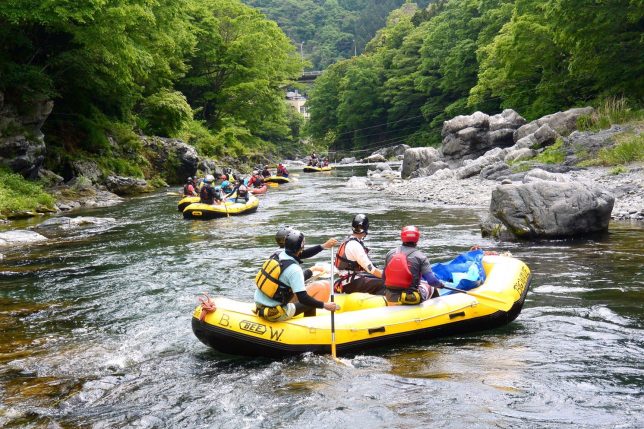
{"x": 96, "y": 326}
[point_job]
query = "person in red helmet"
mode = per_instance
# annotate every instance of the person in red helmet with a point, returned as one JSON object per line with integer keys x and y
{"x": 282, "y": 171}
{"x": 408, "y": 275}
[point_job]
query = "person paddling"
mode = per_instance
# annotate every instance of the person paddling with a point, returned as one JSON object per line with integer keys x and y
{"x": 408, "y": 275}
{"x": 279, "y": 298}
{"x": 281, "y": 170}
{"x": 209, "y": 194}
{"x": 357, "y": 272}
{"x": 280, "y": 238}
{"x": 189, "y": 188}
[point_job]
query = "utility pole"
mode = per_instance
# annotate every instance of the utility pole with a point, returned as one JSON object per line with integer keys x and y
{"x": 302, "y": 51}
{"x": 355, "y": 48}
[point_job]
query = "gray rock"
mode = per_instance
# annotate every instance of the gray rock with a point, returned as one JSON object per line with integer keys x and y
{"x": 49, "y": 177}
{"x": 541, "y": 137}
{"x": 589, "y": 143}
{"x": 374, "y": 158}
{"x": 520, "y": 155}
{"x": 347, "y": 160}
{"x": 429, "y": 170}
{"x": 88, "y": 169}
{"x": 383, "y": 166}
{"x": 173, "y": 159}
{"x": 562, "y": 122}
{"x": 416, "y": 158}
{"x": 538, "y": 174}
{"x": 358, "y": 183}
{"x": 508, "y": 119}
{"x": 20, "y": 237}
{"x": 546, "y": 209}
{"x": 392, "y": 151}
{"x": 126, "y": 185}
{"x": 472, "y": 168}
{"x": 208, "y": 166}
{"x": 495, "y": 171}
{"x": 22, "y": 144}
{"x": 475, "y": 120}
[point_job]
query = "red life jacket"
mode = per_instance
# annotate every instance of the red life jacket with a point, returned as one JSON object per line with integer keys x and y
{"x": 342, "y": 263}
{"x": 397, "y": 274}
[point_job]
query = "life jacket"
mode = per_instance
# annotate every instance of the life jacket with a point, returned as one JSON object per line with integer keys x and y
{"x": 342, "y": 263}
{"x": 207, "y": 195}
{"x": 267, "y": 279}
{"x": 397, "y": 274}
{"x": 258, "y": 181}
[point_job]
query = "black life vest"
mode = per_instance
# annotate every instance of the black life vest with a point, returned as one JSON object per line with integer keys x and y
{"x": 342, "y": 263}
{"x": 397, "y": 274}
{"x": 207, "y": 195}
{"x": 267, "y": 279}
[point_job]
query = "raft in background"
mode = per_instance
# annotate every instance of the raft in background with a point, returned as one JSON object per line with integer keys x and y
{"x": 186, "y": 201}
{"x": 276, "y": 179}
{"x": 208, "y": 211}
{"x": 366, "y": 321}
{"x": 311, "y": 169}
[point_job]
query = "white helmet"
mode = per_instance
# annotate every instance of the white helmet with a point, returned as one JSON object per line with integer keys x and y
{"x": 209, "y": 178}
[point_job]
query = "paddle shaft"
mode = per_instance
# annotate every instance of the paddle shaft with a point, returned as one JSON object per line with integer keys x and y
{"x": 502, "y": 305}
{"x": 333, "y": 350}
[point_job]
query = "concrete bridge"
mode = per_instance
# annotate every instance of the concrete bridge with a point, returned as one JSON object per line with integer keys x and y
{"x": 309, "y": 75}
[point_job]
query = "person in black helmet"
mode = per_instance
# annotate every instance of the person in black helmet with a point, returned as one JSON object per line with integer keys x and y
{"x": 280, "y": 238}
{"x": 357, "y": 272}
{"x": 293, "y": 277}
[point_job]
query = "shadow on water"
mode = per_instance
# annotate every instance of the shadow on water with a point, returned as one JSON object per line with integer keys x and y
{"x": 96, "y": 326}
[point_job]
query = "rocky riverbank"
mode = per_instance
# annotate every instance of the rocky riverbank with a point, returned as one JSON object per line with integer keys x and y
{"x": 445, "y": 190}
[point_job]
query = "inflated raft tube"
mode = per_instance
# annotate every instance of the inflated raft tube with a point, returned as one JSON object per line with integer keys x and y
{"x": 276, "y": 179}
{"x": 261, "y": 190}
{"x": 186, "y": 201}
{"x": 310, "y": 169}
{"x": 213, "y": 211}
{"x": 365, "y": 321}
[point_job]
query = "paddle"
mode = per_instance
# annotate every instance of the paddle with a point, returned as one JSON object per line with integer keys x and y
{"x": 333, "y": 351}
{"x": 499, "y": 304}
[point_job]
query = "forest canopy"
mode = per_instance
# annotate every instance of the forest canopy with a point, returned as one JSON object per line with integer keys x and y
{"x": 458, "y": 56}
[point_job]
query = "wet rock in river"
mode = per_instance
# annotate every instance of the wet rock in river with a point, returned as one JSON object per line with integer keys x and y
{"x": 20, "y": 237}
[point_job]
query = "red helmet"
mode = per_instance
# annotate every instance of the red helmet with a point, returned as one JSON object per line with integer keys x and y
{"x": 410, "y": 234}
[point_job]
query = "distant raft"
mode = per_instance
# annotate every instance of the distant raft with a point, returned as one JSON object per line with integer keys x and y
{"x": 311, "y": 169}
{"x": 212, "y": 211}
{"x": 365, "y": 321}
{"x": 186, "y": 201}
{"x": 276, "y": 179}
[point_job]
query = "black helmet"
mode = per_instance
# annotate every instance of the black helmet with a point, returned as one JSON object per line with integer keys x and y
{"x": 280, "y": 237}
{"x": 360, "y": 224}
{"x": 294, "y": 241}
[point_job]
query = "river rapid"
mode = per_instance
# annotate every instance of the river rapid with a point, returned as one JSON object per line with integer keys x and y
{"x": 96, "y": 326}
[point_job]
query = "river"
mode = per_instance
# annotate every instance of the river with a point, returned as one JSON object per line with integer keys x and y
{"x": 96, "y": 326}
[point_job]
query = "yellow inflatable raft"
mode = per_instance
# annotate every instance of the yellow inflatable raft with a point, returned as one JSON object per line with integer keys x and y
{"x": 277, "y": 179}
{"x": 186, "y": 201}
{"x": 310, "y": 169}
{"x": 366, "y": 321}
{"x": 212, "y": 211}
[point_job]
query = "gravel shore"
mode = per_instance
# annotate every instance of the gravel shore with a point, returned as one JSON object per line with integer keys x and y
{"x": 441, "y": 191}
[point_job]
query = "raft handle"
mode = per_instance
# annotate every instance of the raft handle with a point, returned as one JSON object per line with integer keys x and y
{"x": 455, "y": 315}
{"x": 374, "y": 330}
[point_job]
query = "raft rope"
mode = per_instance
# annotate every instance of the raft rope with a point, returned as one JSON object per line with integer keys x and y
{"x": 207, "y": 306}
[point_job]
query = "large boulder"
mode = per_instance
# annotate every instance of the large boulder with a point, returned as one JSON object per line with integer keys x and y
{"x": 562, "y": 122}
{"x": 547, "y": 209}
{"x": 124, "y": 186}
{"x": 582, "y": 145}
{"x": 495, "y": 171}
{"x": 468, "y": 137}
{"x": 22, "y": 143}
{"x": 416, "y": 158}
{"x": 473, "y": 167}
{"x": 172, "y": 159}
{"x": 541, "y": 137}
